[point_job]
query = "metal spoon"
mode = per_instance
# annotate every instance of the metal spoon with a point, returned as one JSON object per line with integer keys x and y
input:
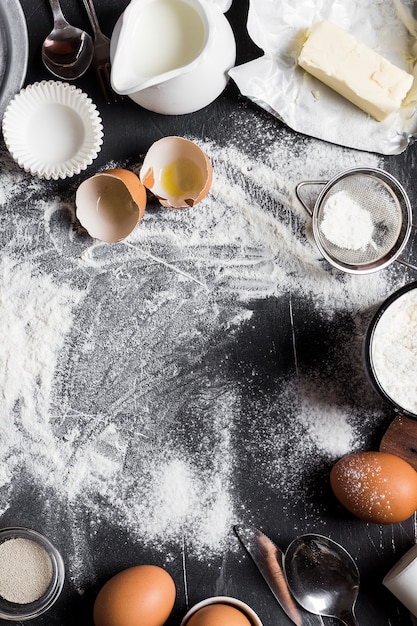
{"x": 67, "y": 51}
{"x": 322, "y": 577}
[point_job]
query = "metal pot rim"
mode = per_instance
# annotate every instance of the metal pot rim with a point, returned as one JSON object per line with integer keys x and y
{"x": 368, "y": 347}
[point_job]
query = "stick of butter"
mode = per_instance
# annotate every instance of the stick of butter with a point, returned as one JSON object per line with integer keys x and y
{"x": 354, "y": 70}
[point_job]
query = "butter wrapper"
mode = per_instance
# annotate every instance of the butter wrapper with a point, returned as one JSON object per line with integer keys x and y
{"x": 222, "y": 5}
{"x": 275, "y": 82}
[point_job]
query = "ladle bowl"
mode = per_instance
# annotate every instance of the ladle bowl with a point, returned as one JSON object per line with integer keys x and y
{"x": 323, "y": 577}
{"x": 67, "y": 51}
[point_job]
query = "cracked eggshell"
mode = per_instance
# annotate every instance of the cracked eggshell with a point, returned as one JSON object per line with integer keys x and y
{"x": 110, "y": 204}
{"x": 177, "y": 172}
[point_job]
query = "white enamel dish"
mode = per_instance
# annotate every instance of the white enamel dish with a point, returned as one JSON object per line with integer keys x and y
{"x": 14, "y": 50}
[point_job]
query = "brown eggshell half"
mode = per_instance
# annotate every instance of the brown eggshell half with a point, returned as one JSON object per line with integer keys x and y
{"x": 167, "y": 150}
{"x": 110, "y": 204}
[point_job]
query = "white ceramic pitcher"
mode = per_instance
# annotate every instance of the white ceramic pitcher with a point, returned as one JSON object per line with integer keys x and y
{"x": 172, "y": 56}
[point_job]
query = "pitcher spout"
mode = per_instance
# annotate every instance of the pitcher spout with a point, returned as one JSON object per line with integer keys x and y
{"x": 158, "y": 40}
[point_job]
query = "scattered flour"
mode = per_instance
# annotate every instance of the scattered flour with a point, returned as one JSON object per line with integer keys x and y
{"x": 110, "y": 401}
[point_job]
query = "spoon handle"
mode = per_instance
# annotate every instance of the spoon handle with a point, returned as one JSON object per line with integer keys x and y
{"x": 59, "y": 18}
{"x": 348, "y": 618}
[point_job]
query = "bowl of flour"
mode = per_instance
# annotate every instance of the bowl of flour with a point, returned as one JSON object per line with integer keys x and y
{"x": 391, "y": 350}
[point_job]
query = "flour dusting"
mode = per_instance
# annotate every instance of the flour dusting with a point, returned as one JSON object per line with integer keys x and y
{"x": 122, "y": 365}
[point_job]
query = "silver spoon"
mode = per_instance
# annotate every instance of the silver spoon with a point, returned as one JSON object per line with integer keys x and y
{"x": 67, "y": 51}
{"x": 322, "y": 577}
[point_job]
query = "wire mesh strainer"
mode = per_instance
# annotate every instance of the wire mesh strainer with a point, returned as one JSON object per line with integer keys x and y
{"x": 361, "y": 219}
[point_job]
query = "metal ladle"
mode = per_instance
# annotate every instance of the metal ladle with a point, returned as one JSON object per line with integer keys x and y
{"x": 323, "y": 577}
{"x": 67, "y": 51}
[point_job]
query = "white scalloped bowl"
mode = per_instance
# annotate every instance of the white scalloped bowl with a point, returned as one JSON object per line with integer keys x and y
{"x": 52, "y": 129}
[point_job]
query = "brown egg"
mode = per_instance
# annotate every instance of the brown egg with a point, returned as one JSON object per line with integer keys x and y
{"x": 375, "y": 486}
{"x": 143, "y": 595}
{"x": 218, "y": 615}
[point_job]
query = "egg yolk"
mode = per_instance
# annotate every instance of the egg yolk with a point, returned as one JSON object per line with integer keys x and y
{"x": 182, "y": 177}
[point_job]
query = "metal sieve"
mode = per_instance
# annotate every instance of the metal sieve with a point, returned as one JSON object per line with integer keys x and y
{"x": 381, "y": 199}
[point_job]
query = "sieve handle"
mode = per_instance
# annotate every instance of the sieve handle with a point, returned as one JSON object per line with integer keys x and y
{"x": 304, "y": 183}
{"x": 406, "y": 263}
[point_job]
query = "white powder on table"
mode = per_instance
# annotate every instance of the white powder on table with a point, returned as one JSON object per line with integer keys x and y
{"x": 25, "y": 570}
{"x": 394, "y": 351}
{"x": 345, "y": 223}
{"x": 111, "y": 405}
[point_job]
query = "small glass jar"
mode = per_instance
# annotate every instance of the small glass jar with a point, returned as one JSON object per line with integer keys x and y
{"x": 16, "y": 611}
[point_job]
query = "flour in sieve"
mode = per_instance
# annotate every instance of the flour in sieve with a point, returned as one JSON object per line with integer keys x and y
{"x": 345, "y": 223}
{"x": 124, "y": 416}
